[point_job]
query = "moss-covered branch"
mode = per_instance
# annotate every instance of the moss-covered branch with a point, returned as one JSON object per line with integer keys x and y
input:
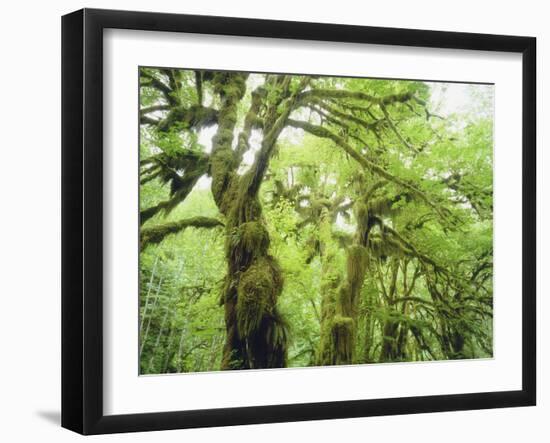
{"x": 194, "y": 117}
{"x": 320, "y": 131}
{"x": 155, "y": 234}
{"x": 276, "y": 120}
{"x": 366, "y": 125}
{"x": 396, "y": 131}
{"x": 346, "y": 94}
{"x": 154, "y": 108}
{"x": 231, "y": 88}
{"x": 151, "y": 81}
{"x": 165, "y": 167}
{"x": 251, "y": 120}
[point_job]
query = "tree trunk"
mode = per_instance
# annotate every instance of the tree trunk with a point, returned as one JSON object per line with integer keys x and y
{"x": 330, "y": 281}
{"x": 338, "y": 329}
{"x": 256, "y": 335}
{"x": 389, "y": 341}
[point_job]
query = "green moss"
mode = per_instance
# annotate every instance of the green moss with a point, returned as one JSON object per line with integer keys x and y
{"x": 342, "y": 332}
{"x": 257, "y": 293}
{"x": 231, "y": 88}
{"x": 243, "y": 206}
{"x": 256, "y": 334}
{"x": 224, "y": 136}
{"x": 277, "y": 337}
{"x": 380, "y": 206}
{"x": 357, "y": 262}
{"x": 395, "y": 248}
{"x": 254, "y": 237}
{"x": 339, "y": 302}
{"x": 361, "y": 212}
{"x": 221, "y": 166}
{"x": 345, "y": 299}
{"x": 376, "y": 247}
{"x": 229, "y": 84}
{"x": 342, "y": 324}
{"x": 155, "y": 234}
{"x": 383, "y": 247}
{"x": 245, "y": 242}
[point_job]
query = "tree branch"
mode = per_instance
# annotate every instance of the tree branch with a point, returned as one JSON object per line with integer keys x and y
{"x": 156, "y": 234}
{"x": 144, "y": 111}
{"x": 193, "y": 164}
{"x": 195, "y": 117}
{"x": 319, "y": 131}
{"x": 155, "y": 83}
{"x": 343, "y": 94}
{"x": 274, "y": 125}
{"x": 396, "y": 132}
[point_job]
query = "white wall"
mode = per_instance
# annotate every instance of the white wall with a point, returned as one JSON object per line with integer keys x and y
{"x": 30, "y": 233}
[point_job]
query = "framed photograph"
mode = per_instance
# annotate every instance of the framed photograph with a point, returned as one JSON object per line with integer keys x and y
{"x": 270, "y": 221}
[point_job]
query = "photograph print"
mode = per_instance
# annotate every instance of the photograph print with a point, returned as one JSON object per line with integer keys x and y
{"x": 293, "y": 221}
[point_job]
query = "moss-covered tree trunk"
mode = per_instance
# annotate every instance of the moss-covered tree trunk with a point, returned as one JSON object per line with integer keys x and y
{"x": 330, "y": 282}
{"x": 231, "y": 88}
{"x": 256, "y": 333}
{"x": 338, "y": 323}
{"x": 369, "y": 340}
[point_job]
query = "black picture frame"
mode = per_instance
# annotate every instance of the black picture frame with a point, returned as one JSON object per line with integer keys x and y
{"x": 82, "y": 218}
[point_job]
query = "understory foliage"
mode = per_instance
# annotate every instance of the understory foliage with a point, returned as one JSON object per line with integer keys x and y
{"x": 292, "y": 221}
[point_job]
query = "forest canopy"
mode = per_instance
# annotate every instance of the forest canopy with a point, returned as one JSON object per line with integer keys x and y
{"x": 296, "y": 220}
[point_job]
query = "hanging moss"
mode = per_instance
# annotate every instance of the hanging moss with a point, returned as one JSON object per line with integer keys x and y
{"x": 339, "y": 312}
{"x": 276, "y": 337}
{"x": 260, "y": 325}
{"x": 245, "y": 242}
{"x": 330, "y": 284}
{"x": 375, "y": 245}
{"x": 257, "y": 293}
{"x": 342, "y": 331}
{"x": 254, "y": 237}
{"x": 384, "y": 247}
{"x": 361, "y": 212}
{"x": 380, "y": 206}
{"x": 344, "y": 299}
{"x": 357, "y": 261}
{"x": 244, "y": 207}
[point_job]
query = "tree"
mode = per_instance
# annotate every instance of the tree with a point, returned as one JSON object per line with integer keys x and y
{"x": 407, "y": 186}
